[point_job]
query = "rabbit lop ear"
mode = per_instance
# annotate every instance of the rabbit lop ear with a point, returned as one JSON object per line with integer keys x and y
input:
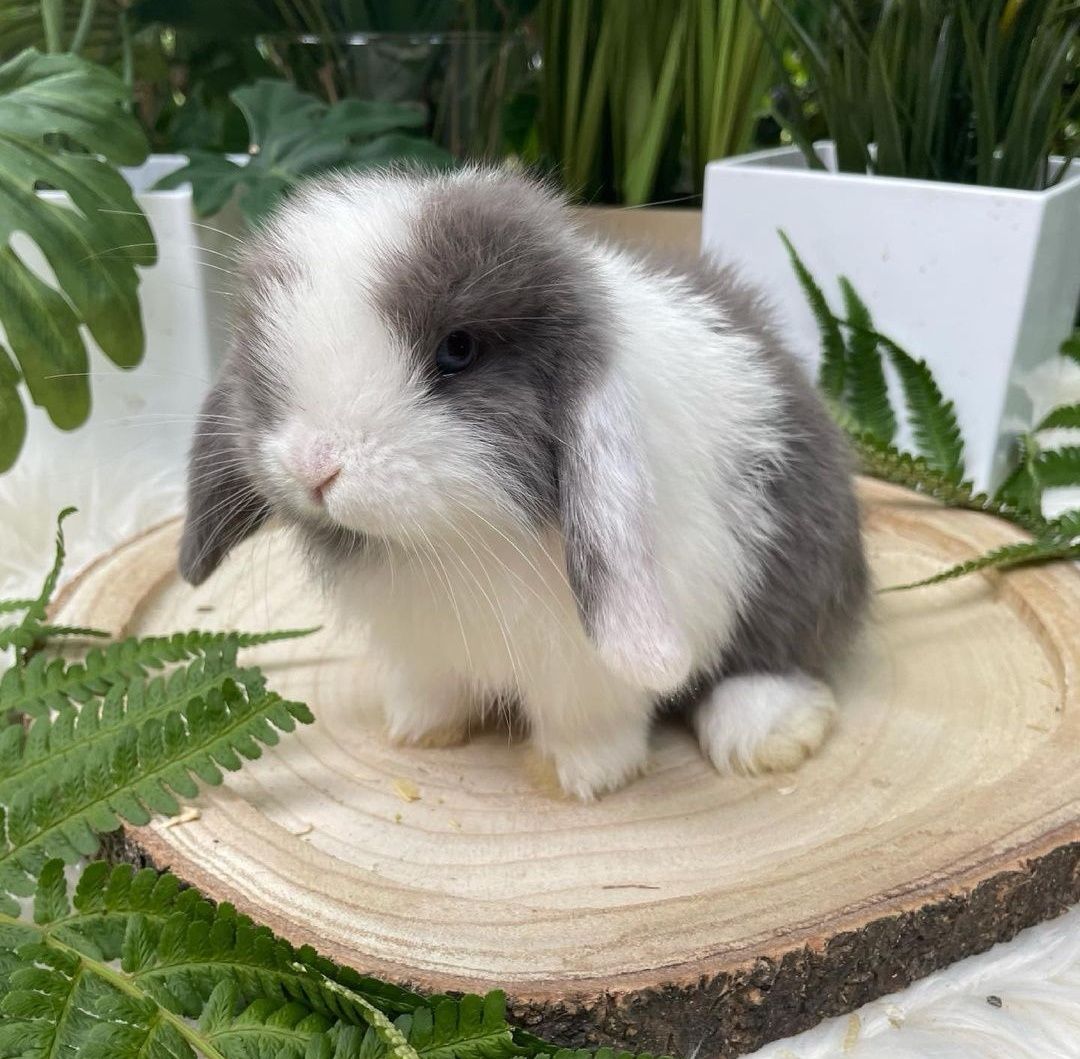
{"x": 607, "y": 510}
{"x": 223, "y": 505}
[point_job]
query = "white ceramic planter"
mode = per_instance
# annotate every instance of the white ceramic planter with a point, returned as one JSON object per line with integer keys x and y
{"x": 983, "y": 283}
{"x": 126, "y": 465}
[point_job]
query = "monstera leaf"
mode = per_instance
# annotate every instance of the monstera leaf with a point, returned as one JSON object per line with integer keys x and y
{"x": 62, "y": 122}
{"x": 294, "y": 135}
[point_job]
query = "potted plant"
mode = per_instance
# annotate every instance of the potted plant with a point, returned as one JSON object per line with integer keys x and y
{"x": 462, "y": 61}
{"x": 939, "y": 192}
{"x": 636, "y": 98}
{"x": 102, "y": 272}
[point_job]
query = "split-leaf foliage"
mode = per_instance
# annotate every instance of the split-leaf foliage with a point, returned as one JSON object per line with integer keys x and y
{"x": 294, "y": 136}
{"x": 853, "y": 379}
{"x": 64, "y": 127}
{"x": 108, "y": 962}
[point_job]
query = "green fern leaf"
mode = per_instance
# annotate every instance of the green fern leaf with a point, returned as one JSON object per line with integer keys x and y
{"x": 913, "y": 472}
{"x": 22, "y": 636}
{"x": 1071, "y": 347}
{"x": 473, "y": 1027}
{"x": 867, "y": 390}
{"x": 265, "y": 1027}
{"x": 82, "y": 631}
{"x": 45, "y": 684}
{"x": 51, "y": 742}
{"x": 197, "y": 946}
{"x": 49, "y": 999}
{"x": 1067, "y": 416}
{"x": 1009, "y": 555}
{"x": 30, "y": 633}
{"x": 153, "y": 1038}
{"x": 194, "y": 978}
{"x": 833, "y": 352}
{"x": 13, "y": 606}
{"x": 1058, "y": 468}
{"x": 142, "y": 772}
{"x": 933, "y": 418}
{"x": 35, "y": 635}
{"x": 1023, "y": 488}
{"x": 48, "y": 586}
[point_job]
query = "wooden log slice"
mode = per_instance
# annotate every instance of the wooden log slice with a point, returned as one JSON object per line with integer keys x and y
{"x": 689, "y": 912}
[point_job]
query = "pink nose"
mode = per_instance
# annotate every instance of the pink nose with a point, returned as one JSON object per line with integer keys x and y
{"x": 316, "y": 468}
{"x": 319, "y": 489}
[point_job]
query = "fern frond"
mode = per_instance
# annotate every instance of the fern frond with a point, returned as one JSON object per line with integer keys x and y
{"x": 142, "y": 772}
{"x": 867, "y": 391}
{"x": 1036, "y": 471}
{"x": 1022, "y": 553}
{"x": 52, "y": 578}
{"x": 196, "y": 945}
{"x": 45, "y": 684}
{"x": 902, "y": 468}
{"x": 194, "y": 978}
{"x": 1023, "y": 488}
{"x": 283, "y": 1030}
{"x": 57, "y": 738}
{"x": 1071, "y": 347}
{"x": 474, "y": 1028}
{"x": 1058, "y": 468}
{"x": 387, "y": 1036}
{"x": 32, "y": 632}
{"x": 34, "y": 635}
{"x": 1066, "y": 415}
{"x": 933, "y": 418}
{"x": 833, "y": 370}
{"x": 82, "y": 631}
{"x": 13, "y": 606}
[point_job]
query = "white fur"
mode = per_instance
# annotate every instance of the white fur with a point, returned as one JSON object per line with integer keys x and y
{"x": 637, "y": 634}
{"x": 471, "y": 602}
{"x": 764, "y": 722}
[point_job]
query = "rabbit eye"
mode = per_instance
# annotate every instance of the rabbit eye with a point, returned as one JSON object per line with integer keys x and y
{"x": 456, "y": 352}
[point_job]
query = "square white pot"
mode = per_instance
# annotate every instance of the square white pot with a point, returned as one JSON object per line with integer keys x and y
{"x": 983, "y": 283}
{"x": 125, "y": 466}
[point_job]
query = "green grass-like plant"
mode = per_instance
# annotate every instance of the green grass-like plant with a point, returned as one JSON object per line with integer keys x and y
{"x": 633, "y": 92}
{"x": 852, "y": 379}
{"x": 968, "y": 91}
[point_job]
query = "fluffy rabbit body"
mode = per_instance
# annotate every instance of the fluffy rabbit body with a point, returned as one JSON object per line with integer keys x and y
{"x": 538, "y": 469}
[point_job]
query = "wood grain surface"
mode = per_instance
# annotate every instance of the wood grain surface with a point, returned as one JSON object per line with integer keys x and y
{"x": 689, "y": 911}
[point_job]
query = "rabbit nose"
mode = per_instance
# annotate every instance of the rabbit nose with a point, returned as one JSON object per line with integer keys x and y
{"x": 316, "y": 468}
{"x": 319, "y": 489}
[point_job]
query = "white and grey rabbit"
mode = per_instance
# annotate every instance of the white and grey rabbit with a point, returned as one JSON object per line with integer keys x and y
{"x": 538, "y": 469}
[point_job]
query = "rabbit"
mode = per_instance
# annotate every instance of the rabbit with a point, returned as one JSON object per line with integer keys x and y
{"x": 536, "y": 467}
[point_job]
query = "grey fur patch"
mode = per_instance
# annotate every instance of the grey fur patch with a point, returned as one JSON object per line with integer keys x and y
{"x": 815, "y": 588}
{"x": 495, "y": 257}
{"x": 224, "y": 506}
{"x": 225, "y": 502}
